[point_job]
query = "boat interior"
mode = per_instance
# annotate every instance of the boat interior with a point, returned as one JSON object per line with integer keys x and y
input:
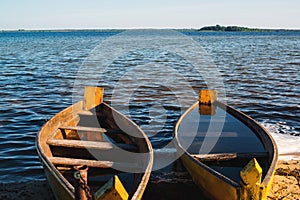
{"x": 222, "y": 141}
{"x": 97, "y": 139}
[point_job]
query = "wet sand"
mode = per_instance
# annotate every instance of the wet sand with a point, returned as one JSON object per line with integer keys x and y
{"x": 29, "y": 190}
{"x": 286, "y": 186}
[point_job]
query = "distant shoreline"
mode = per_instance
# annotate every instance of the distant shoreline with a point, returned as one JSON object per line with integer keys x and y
{"x": 62, "y": 30}
{"x": 216, "y": 28}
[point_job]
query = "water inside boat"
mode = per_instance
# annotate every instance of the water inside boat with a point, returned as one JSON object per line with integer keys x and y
{"x": 212, "y": 130}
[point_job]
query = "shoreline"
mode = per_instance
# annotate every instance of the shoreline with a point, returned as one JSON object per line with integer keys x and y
{"x": 126, "y": 29}
{"x": 286, "y": 184}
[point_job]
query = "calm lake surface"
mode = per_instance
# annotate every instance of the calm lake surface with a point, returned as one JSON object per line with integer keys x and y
{"x": 260, "y": 72}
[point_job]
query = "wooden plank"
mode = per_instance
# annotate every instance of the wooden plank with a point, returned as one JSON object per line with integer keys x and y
{"x": 83, "y": 128}
{"x": 207, "y": 109}
{"x": 228, "y": 156}
{"x": 80, "y": 144}
{"x": 89, "y": 144}
{"x": 207, "y": 97}
{"x": 93, "y": 96}
{"x": 90, "y": 113}
{"x": 91, "y": 129}
{"x": 251, "y": 176}
{"x": 93, "y": 154}
{"x": 85, "y": 113}
{"x": 76, "y": 162}
{"x": 95, "y": 163}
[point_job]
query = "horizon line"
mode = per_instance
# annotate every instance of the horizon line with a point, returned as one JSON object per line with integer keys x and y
{"x": 134, "y": 28}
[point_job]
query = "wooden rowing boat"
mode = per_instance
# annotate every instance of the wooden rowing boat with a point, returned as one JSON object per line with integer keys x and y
{"x": 90, "y": 150}
{"x": 235, "y": 162}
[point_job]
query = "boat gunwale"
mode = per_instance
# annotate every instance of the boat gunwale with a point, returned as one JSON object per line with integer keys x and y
{"x": 63, "y": 181}
{"x": 263, "y": 133}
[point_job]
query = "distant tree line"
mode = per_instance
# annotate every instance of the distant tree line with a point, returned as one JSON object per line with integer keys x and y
{"x": 232, "y": 29}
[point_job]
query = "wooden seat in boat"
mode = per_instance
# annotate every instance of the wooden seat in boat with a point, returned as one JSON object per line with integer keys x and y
{"x": 99, "y": 145}
{"x": 90, "y": 129}
{"x": 77, "y": 162}
{"x": 229, "y": 156}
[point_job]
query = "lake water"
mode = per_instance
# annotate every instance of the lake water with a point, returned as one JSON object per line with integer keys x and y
{"x": 260, "y": 72}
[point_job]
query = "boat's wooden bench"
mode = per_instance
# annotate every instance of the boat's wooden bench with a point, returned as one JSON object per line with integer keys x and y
{"x": 77, "y": 162}
{"x": 90, "y": 144}
{"x": 90, "y": 129}
{"x": 113, "y": 133}
{"x": 230, "y": 159}
{"x": 228, "y": 156}
{"x": 91, "y": 113}
{"x": 85, "y": 113}
{"x": 92, "y": 163}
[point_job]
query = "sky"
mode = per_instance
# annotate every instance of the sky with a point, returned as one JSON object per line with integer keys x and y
{"x": 103, "y": 14}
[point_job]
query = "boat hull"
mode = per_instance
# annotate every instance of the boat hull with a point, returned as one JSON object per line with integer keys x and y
{"x": 56, "y": 160}
{"x": 214, "y": 183}
{"x": 208, "y": 182}
{"x": 59, "y": 189}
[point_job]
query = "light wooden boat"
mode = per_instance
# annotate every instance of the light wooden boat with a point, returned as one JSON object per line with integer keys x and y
{"x": 236, "y": 163}
{"x": 91, "y": 144}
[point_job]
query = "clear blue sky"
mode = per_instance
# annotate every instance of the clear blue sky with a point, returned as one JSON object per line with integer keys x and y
{"x": 60, "y": 14}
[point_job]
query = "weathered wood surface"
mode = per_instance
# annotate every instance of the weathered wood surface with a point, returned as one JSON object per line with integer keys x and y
{"x": 90, "y": 144}
{"x": 83, "y": 128}
{"x": 228, "y": 156}
{"x": 91, "y": 129}
{"x": 91, "y": 163}
{"x": 207, "y": 109}
{"x": 93, "y": 96}
{"x": 86, "y": 113}
{"x": 77, "y": 162}
{"x": 207, "y": 97}
{"x": 251, "y": 176}
{"x": 93, "y": 112}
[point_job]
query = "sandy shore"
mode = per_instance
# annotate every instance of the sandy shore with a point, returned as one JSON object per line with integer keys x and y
{"x": 286, "y": 185}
